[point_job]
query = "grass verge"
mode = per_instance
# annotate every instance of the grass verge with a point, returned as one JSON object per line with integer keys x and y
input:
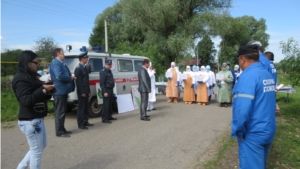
{"x": 10, "y": 106}
{"x": 285, "y": 150}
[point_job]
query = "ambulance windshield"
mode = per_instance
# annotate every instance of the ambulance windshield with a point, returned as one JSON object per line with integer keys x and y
{"x": 71, "y": 63}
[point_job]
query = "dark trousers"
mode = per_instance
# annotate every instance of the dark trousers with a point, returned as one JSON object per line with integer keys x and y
{"x": 60, "y": 103}
{"x": 144, "y": 104}
{"x": 107, "y": 105}
{"x": 82, "y": 110}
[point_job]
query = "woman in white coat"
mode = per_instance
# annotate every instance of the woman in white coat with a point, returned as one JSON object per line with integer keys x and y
{"x": 152, "y": 96}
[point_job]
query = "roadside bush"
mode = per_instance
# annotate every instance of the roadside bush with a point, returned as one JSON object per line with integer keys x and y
{"x": 5, "y": 83}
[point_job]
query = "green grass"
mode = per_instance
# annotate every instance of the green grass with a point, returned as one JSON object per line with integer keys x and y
{"x": 10, "y": 106}
{"x": 227, "y": 143}
{"x": 285, "y": 150}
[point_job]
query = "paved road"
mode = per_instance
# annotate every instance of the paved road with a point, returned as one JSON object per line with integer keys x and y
{"x": 175, "y": 138}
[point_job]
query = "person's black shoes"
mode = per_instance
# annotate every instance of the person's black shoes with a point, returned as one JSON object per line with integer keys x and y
{"x": 63, "y": 135}
{"x": 113, "y": 118}
{"x": 68, "y": 132}
{"x": 145, "y": 119}
{"x": 88, "y": 124}
{"x": 147, "y": 116}
{"x": 221, "y": 105}
{"x": 154, "y": 109}
{"x": 225, "y": 105}
{"x": 148, "y": 110}
{"x": 106, "y": 121}
{"x": 83, "y": 127}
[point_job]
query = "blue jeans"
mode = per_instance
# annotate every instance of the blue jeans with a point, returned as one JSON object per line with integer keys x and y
{"x": 35, "y": 132}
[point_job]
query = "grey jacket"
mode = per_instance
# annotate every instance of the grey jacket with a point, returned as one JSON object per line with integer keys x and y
{"x": 144, "y": 81}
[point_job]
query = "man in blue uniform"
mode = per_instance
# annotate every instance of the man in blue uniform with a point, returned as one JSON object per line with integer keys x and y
{"x": 262, "y": 59}
{"x": 107, "y": 85}
{"x": 270, "y": 56}
{"x": 253, "y": 122}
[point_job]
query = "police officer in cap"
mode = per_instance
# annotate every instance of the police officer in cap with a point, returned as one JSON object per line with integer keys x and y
{"x": 107, "y": 85}
{"x": 83, "y": 91}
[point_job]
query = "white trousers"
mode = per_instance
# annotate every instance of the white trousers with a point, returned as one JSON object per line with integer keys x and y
{"x": 150, "y": 106}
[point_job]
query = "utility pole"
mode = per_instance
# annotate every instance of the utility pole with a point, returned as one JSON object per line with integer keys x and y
{"x": 106, "y": 42}
{"x": 197, "y": 51}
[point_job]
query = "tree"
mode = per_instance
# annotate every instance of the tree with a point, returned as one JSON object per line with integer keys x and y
{"x": 170, "y": 25}
{"x": 9, "y": 56}
{"x": 236, "y": 32}
{"x": 44, "y": 47}
{"x": 291, "y": 50}
{"x": 206, "y": 50}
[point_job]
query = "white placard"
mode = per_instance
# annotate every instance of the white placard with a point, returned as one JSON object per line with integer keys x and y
{"x": 219, "y": 77}
{"x": 199, "y": 78}
{"x": 184, "y": 76}
{"x": 125, "y": 103}
{"x": 169, "y": 74}
{"x": 136, "y": 97}
{"x": 99, "y": 93}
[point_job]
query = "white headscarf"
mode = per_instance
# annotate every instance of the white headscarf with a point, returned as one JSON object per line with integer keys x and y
{"x": 173, "y": 64}
{"x": 202, "y": 69}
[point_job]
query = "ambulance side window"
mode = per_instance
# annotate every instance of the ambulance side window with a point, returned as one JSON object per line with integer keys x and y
{"x": 125, "y": 66}
{"x": 96, "y": 64}
{"x": 138, "y": 65}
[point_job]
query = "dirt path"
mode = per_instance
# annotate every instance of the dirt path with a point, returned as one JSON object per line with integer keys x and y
{"x": 175, "y": 138}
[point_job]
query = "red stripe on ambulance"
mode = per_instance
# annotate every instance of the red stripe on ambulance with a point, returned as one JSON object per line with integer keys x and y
{"x": 93, "y": 82}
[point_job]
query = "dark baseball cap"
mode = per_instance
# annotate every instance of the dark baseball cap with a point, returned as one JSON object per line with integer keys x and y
{"x": 247, "y": 49}
{"x": 109, "y": 62}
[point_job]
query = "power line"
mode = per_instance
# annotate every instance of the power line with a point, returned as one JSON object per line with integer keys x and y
{"x": 53, "y": 10}
{"x": 70, "y": 9}
{"x": 25, "y": 37}
{"x": 46, "y": 11}
{"x": 45, "y": 29}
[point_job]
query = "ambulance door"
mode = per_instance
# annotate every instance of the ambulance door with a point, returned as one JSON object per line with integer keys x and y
{"x": 125, "y": 71}
{"x": 96, "y": 65}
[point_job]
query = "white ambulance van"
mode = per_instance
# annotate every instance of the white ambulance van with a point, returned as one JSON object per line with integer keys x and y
{"x": 124, "y": 68}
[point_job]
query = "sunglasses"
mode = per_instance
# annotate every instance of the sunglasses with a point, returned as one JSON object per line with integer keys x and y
{"x": 37, "y": 63}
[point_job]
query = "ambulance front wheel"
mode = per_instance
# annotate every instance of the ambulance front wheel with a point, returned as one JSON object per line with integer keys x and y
{"x": 95, "y": 109}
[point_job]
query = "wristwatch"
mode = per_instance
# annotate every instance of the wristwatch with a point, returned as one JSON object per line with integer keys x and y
{"x": 44, "y": 91}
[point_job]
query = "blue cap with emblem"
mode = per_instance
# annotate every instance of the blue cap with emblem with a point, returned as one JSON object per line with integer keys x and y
{"x": 109, "y": 62}
{"x": 83, "y": 55}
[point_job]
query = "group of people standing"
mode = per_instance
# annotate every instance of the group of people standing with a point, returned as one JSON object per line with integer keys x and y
{"x": 33, "y": 95}
{"x": 198, "y": 85}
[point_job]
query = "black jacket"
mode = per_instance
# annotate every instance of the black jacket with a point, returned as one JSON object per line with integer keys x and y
{"x": 144, "y": 81}
{"x": 29, "y": 93}
{"x": 82, "y": 80}
{"x": 106, "y": 80}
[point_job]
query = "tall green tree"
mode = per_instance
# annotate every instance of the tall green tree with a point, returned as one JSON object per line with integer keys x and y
{"x": 8, "y": 57}
{"x": 291, "y": 50}
{"x": 206, "y": 50}
{"x": 236, "y": 32}
{"x": 171, "y": 25}
{"x": 44, "y": 47}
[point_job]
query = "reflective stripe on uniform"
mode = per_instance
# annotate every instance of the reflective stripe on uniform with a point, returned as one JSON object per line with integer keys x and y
{"x": 244, "y": 95}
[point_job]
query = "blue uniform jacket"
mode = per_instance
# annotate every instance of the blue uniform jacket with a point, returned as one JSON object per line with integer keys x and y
{"x": 253, "y": 113}
{"x": 234, "y": 77}
{"x": 274, "y": 71}
{"x": 61, "y": 77}
{"x": 265, "y": 62}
